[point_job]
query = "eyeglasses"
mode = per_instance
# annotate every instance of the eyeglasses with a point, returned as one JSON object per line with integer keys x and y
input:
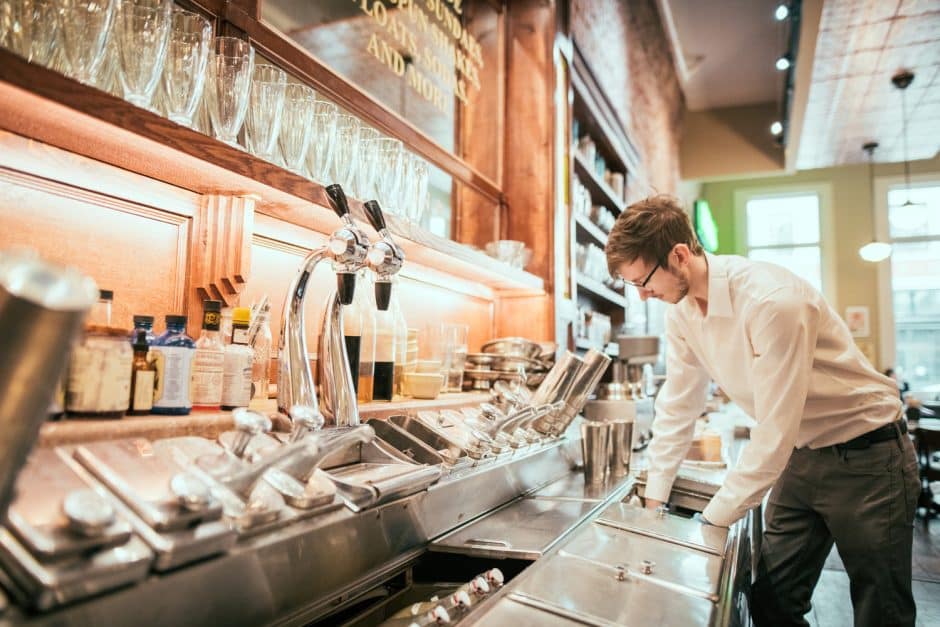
{"x": 642, "y": 284}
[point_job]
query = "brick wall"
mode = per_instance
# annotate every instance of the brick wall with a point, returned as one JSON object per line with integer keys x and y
{"x": 627, "y": 49}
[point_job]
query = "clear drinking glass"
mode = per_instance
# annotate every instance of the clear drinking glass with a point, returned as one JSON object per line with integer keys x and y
{"x": 406, "y": 192}
{"x": 297, "y": 125}
{"x": 228, "y": 78}
{"x": 184, "y": 72}
{"x": 346, "y": 150}
{"x": 389, "y": 156}
{"x": 84, "y": 26}
{"x": 6, "y": 21}
{"x": 31, "y": 28}
{"x": 418, "y": 204}
{"x": 108, "y": 75}
{"x": 265, "y": 106}
{"x": 142, "y": 28}
{"x": 365, "y": 174}
{"x": 454, "y": 341}
{"x": 322, "y": 141}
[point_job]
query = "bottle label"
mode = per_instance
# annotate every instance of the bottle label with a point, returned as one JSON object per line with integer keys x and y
{"x": 239, "y": 336}
{"x": 174, "y": 376}
{"x": 236, "y": 380}
{"x": 208, "y": 368}
{"x": 143, "y": 390}
{"x": 99, "y": 378}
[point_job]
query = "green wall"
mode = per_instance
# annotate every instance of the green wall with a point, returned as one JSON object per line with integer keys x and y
{"x": 856, "y": 280}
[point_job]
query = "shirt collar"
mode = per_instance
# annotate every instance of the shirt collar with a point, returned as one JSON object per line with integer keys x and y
{"x": 719, "y": 292}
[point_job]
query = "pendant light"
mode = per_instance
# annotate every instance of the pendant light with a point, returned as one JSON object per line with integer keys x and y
{"x": 902, "y": 80}
{"x": 873, "y": 251}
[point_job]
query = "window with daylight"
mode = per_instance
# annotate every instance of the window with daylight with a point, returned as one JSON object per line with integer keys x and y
{"x": 914, "y": 230}
{"x": 784, "y": 229}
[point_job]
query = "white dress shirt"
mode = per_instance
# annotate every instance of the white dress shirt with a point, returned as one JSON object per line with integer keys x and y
{"x": 781, "y": 353}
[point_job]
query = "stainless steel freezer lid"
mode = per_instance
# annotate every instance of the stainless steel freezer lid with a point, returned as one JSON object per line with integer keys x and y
{"x": 611, "y": 595}
{"x": 524, "y": 529}
{"x": 660, "y": 561}
{"x": 572, "y": 487}
{"x": 520, "y": 611}
{"x": 56, "y": 513}
{"x": 668, "y": 527}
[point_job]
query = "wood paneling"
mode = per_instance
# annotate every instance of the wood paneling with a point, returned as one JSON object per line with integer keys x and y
{"x": 529, "y": 144}
{"x": 220, "y": 259}
{"x": 525, "y": 316}
{"x": 137, "y": 251}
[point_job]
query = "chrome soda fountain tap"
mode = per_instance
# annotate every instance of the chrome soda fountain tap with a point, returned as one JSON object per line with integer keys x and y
{"x": 385, "y": 258}
{"x": 337, "y": 393}
{"x": 346, "y": 249}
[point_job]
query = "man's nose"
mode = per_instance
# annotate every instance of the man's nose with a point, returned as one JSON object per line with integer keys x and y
{"x": 644, "y": 293}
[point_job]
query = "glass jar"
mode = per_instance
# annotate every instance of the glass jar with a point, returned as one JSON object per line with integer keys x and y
{"x": 99, "y": 379}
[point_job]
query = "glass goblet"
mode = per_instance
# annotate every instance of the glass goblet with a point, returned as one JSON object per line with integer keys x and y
{"x": 365, "y": 173}
{"x": 84, "y": 26}
{"x": 142, "y": 28}
{"x": 389, "y": 155}
{"x": 322, "y": 141}
{"x": 265, "y": 106}
{"x": 346, "y": 150}
{"x": 297, "y": 125}
{"x": 228, "y": 78}
{"x": 184, "y": 71}
{"x": 31, "y": 28}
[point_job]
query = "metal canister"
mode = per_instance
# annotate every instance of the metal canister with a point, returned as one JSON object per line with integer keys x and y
{"x": 41, "y": 311}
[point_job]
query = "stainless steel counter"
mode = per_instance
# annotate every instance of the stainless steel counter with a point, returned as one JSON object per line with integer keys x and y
{"x": 594, "y": 559}
{"x": 298, "y": 573}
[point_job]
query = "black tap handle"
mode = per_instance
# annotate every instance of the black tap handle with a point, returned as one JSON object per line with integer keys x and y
{"x": 337, "y": 199}
{"x": 345, "y": 287}
{"x": 383, "y": 294}
{"x": 374, "y": 213}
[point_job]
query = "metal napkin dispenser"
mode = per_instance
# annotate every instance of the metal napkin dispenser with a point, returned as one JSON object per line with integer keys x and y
{"x": 64, "y": 540}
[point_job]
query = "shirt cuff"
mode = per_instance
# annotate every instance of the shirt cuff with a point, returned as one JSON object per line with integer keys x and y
{"x": 718, "y": 513}
{"x": 658, "y": 487}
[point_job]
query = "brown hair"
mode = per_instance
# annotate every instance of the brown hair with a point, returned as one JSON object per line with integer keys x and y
{"x": 648, "y": 230}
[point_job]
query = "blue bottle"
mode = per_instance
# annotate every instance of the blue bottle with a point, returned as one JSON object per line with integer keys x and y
{"x": 143, "y": 323}
{"x": 173, "y": 353}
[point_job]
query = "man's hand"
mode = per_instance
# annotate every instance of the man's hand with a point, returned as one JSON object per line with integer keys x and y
{"x": 653, "y": 503}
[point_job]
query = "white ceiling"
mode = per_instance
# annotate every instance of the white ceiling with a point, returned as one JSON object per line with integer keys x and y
{"x": 860, "y": 46}
{"x": 726, "y": 50}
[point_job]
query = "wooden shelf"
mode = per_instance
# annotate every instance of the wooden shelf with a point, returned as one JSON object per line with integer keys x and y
{"x": 596, "y": 113}
{"x": 601, "y": 193}
{"x": 210, "y": 425}
{"x": 43, "y": 105}
{"x": 585, "y": 225}
{"x": 599, "y": 290}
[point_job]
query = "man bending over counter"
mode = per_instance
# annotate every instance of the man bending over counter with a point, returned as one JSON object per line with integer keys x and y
{"x": 830, "y": 440}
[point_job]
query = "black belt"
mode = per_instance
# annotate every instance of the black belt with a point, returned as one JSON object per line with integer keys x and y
{"x": 882, "y": 433}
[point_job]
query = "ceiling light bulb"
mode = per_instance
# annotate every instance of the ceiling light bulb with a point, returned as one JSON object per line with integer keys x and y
{"x": 875, "y": 251}
{"x": 782, "y": 12}
{"x": 776, "y": 128}
{"x": 783, "y": 63}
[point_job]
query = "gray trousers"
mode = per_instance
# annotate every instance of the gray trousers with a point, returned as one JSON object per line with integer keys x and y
{"x": 864, "y": 501}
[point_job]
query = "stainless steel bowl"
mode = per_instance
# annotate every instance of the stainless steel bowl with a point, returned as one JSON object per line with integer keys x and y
{"x": 517, "y": 346}
{"x": 481, "y": 361}
{"x": 512, "y": 363}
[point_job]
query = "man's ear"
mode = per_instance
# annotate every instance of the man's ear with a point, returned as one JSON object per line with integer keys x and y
{"x": 682, "y": 254}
